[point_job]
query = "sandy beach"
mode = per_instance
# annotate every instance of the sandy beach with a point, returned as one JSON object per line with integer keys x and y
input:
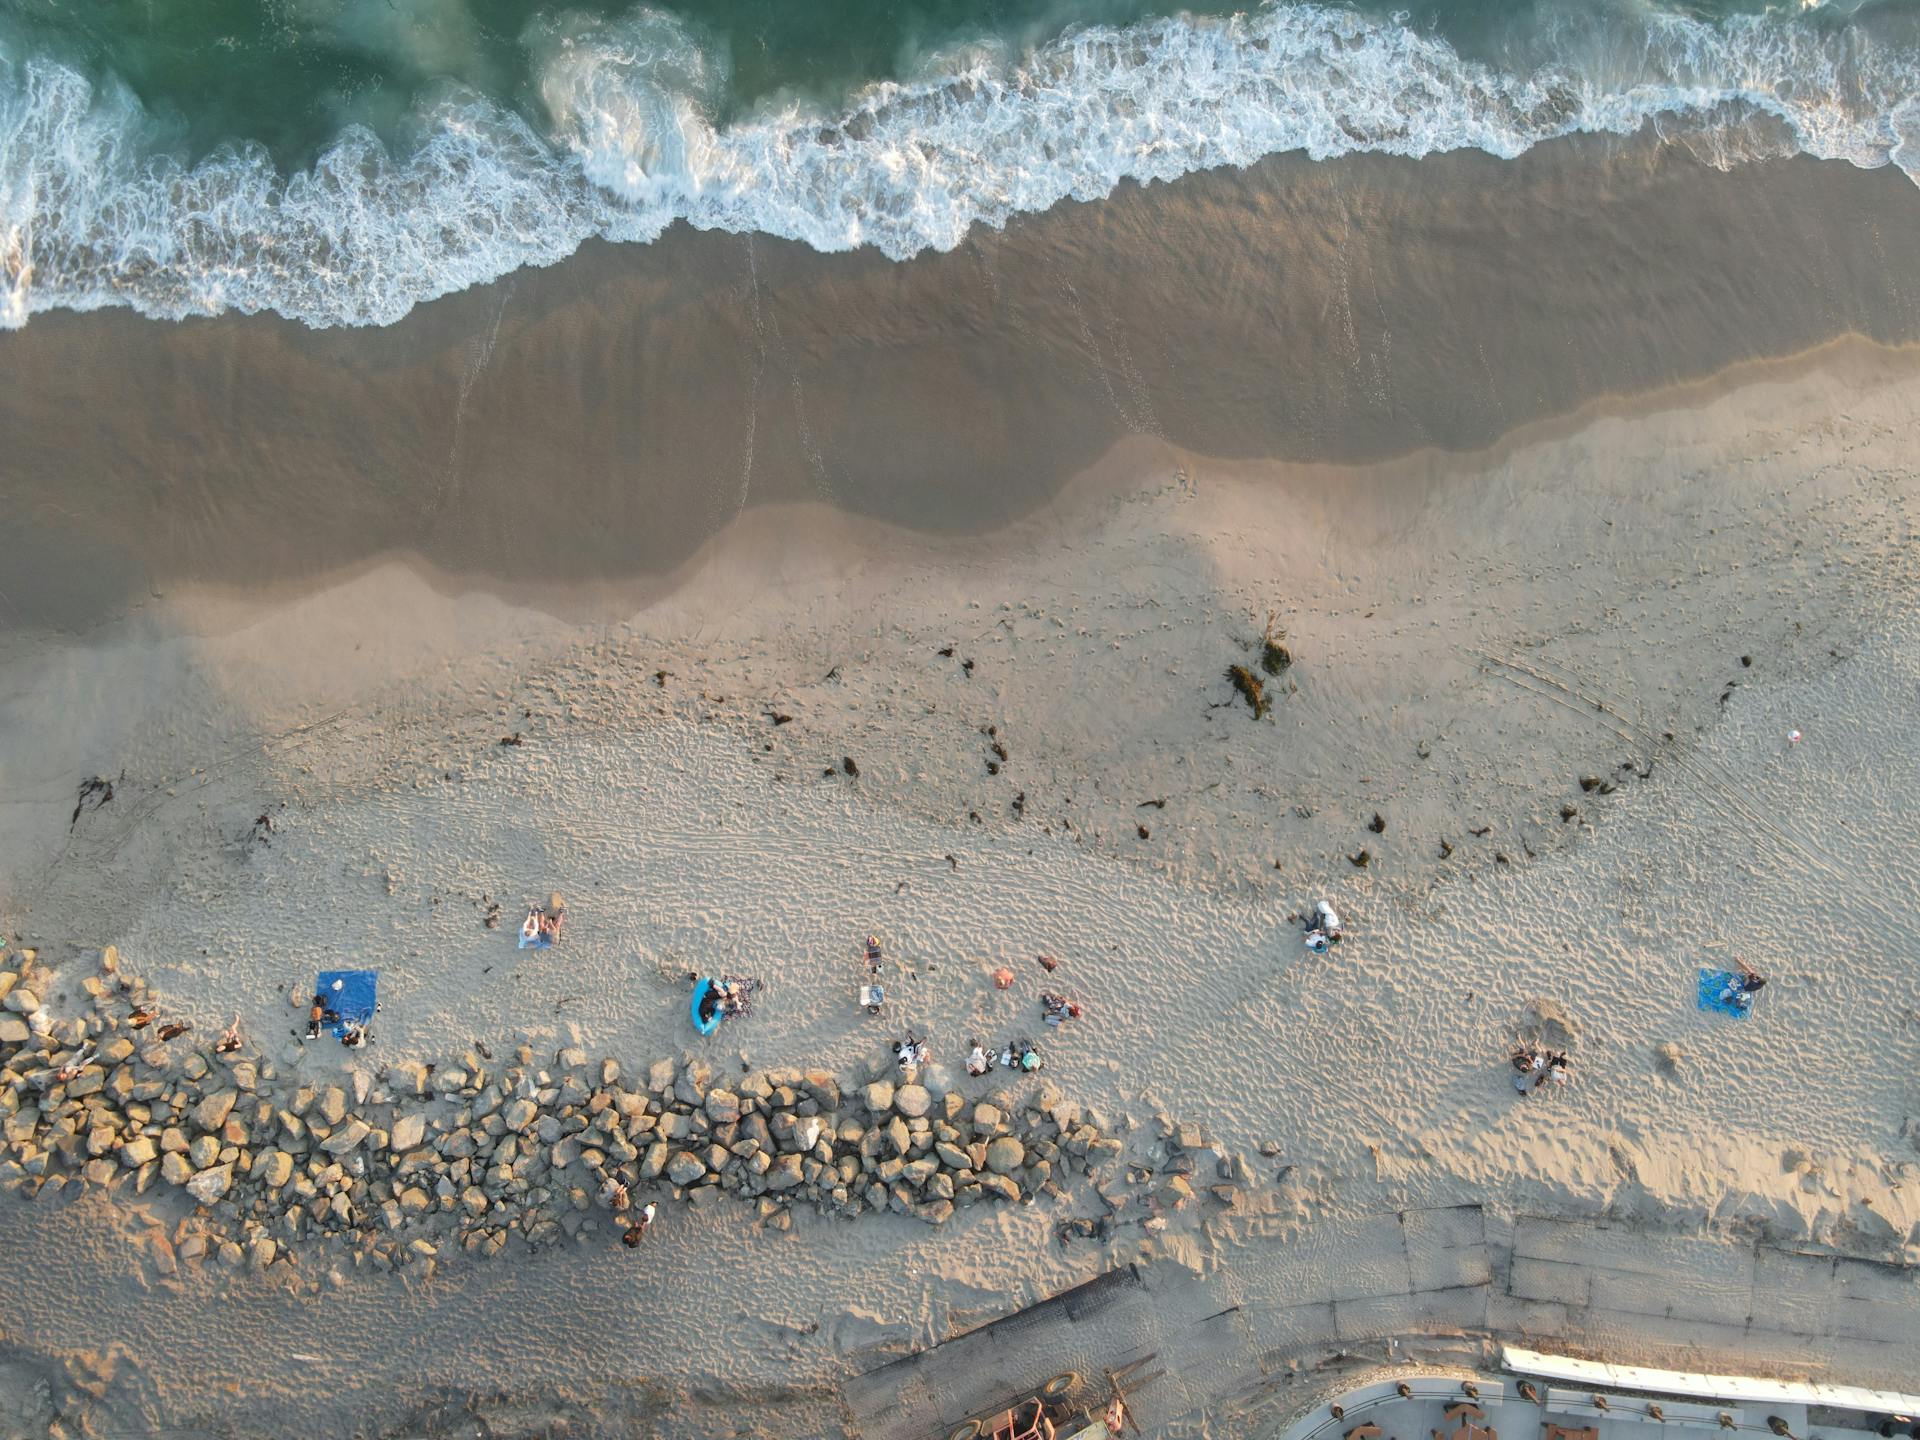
{"x": 1579, "y": 704}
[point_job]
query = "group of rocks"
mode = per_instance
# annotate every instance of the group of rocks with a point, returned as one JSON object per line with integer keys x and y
{"x": 416, "y": 1155}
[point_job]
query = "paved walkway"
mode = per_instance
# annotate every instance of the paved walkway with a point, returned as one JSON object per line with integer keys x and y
{"x": 1422, "y": 1284}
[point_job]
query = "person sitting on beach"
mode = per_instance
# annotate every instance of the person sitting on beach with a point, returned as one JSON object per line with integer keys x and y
{"x": 352, "y": 1035}
{"x": 1743, "y": 986}
{"x": 978, "y": 1062}
{"x": 530, "y": 927}
{"x": 709, "y": 1003}
{"x": 873, "y": 954}
{"x": 550, "y": 926}
{"x": 1317, "y": 941}
{"x": 229, "y": 1040}
{"x": 1027, "y": 1055}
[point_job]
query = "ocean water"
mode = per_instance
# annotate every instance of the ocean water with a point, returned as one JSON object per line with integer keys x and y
{"x": 340, "y": 161}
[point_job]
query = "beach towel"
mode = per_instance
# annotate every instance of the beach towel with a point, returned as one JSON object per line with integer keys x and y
{"x": 1713, "y": 985}
{"x": 350, "y": 994}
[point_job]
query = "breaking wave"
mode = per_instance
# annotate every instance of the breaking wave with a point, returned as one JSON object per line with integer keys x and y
{"x": 94, "y": 211}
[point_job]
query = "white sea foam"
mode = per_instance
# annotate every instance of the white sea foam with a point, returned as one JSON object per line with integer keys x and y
{"x": 90, "y": 216}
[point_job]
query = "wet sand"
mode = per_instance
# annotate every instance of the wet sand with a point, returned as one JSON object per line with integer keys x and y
{"x": 599, "y": 420}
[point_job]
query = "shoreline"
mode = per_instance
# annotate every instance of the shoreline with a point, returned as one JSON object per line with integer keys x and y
{"x": 605, "y": 417}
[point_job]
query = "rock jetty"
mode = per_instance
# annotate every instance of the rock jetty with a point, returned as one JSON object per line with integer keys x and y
{"x": 417, "y": 1156}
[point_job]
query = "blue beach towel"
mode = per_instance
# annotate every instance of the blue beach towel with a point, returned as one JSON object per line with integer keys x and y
{"x": 350, "y": 994}
{"x": 1713, "y": 985}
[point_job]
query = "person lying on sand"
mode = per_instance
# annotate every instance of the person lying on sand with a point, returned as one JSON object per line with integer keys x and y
{"x": 174, "y": 1029}
{"x": 140, "y": 1017}
{"x": 229, "y": 1039}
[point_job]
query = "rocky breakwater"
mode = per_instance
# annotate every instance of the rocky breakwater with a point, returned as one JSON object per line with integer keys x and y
{"x": 412, "y": 1157}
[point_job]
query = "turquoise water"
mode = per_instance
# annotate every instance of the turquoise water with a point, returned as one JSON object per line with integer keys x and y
{"x": 341, "y": 160}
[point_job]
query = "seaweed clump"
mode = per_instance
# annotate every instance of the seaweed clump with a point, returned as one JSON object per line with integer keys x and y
{"x": 1251, "y": 690}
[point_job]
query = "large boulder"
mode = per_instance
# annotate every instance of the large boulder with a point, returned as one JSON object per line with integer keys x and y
{"x": 785, "y": 1173}
{"x": 880, "y": 1097}
{"x": 409, "y": 1133}
{"x": 211, "y": 1113}
{"x": 209, "y": 1185}
{"x": 520, "y": 1114}
{"x": 347, "y": 1138}
{"x": 685, "y": 1167}
{"x": 1005, "y": 1155}
{"x": 723, "y": 1106}
{"x": 913, "y": 1101}
{"x": 273, "y": 1168}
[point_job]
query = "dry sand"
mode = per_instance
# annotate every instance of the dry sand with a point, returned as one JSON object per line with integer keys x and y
{"x": 1472, "y": 635}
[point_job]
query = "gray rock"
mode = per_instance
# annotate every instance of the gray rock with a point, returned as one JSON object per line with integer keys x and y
{"x": 913, "y": 1101}
{"x": 210, "y": 1185}
{"x": 723, "y": 1106}
{"x": 333, "y": 1105}
{"x": 1005, "y": 1155}
{"x": 273, "y": 1168}
{"x": 22, "y": 1001}
{"x": 685, "y": 1167}
{"x": 409, "y": 1133}
{"x": 520, "y": 1114}
{"x": 211, "y": 1113}
{"x": 807, "y": 1132}
{"x": 880, "y": 1097}
{"x": 899, "y": 1136}
{"x": 13, "y": 1030}
{"x": 137, "y": 1152}
{"x": 952, "y": 1156}
{"x": 660, "y": 1076}
{"x": 1000, "y": 1186}
{"x": 986, "y": 1118}
{"x": 347, "y": 1138}
{"x": 655, "y": 1160}
{"x": 785, "y": 1173}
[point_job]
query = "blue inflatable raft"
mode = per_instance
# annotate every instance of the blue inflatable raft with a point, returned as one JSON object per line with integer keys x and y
{"x": 704, "y": 998}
